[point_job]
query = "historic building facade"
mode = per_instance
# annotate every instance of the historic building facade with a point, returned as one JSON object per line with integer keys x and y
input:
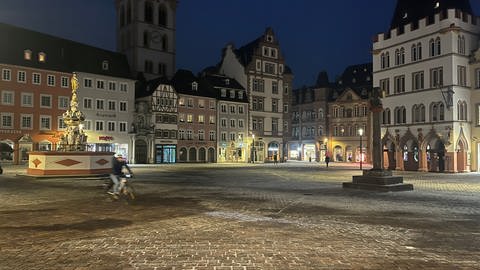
{"x": 155, "y": 122}
{"x": 349, "y": 116}
{"x": 308, "y": 121}
{"x": 146, "y": 35}
{"x": 35, "y": 91}
{"x": 422, "y": 66}
{"x": 232, "y": 118}
{"x": 260, "y": 68}
{"x": 197, "y": 112}
{"x": 474, "y": 112}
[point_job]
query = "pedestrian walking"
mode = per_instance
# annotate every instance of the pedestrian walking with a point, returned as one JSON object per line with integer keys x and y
{"x": 275, "y": 159}
{"x": 327, "y": 160}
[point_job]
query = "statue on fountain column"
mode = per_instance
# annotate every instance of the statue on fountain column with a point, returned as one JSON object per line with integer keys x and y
{"x": 74, "y": 137}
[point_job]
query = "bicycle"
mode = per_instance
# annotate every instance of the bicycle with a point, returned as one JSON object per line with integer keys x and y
{"x": 125, "y": 190}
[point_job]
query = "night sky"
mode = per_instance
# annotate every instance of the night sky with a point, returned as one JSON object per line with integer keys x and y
{"x": 314, "y": 35}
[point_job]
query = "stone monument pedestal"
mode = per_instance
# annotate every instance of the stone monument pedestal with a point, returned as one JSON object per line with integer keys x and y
{"x": 60, "y": 164}
{"x": 380, "y": 180}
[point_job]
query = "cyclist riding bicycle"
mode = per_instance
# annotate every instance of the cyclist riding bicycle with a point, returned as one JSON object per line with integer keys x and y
{"x": 117, "y": 171}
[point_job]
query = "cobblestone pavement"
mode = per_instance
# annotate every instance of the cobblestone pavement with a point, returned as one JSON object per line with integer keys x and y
{"x": 240, "y": 216}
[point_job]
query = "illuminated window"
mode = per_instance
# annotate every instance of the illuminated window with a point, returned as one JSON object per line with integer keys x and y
{"x": 27, "y": 55}
{"x": 42, "y": 57}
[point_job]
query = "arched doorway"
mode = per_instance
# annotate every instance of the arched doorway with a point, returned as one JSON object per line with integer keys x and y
{"x": 390, "y": 161}
{"x": 183, "y": 154}
{"x": 461, "y": 156}
{"x": 25, "y": 145}
{"x": 259, "y": 151}
{"x": 202, "y": 155}
{"x": 211, "y": 155}
{"x": 410, "y": 156}
{"x": 338, "y": 153}
{"x": 435, "y": 155}
{"x": 192, "y": 154}
{"x": 140, "y": 152}
{"x": 349, "y": 152}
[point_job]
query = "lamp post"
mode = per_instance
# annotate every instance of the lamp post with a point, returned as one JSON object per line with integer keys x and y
{"x": 253, "y": 148}
{"x": 325, "y": 141}
{"x": 360, "y": 132}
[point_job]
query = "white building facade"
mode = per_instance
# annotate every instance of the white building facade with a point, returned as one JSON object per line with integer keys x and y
{"x": 108, "y": 105}
{"x": 422, "y": 67}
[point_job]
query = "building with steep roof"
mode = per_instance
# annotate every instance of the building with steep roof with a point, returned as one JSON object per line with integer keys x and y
{"x": 308, "y": 121}
{"x": 260, "y": 68}
{"x": 232, "y": 118}
{"x": 197, "y": 123}
{"x": 35, "y": 91}
{"x": 155, "y": 122}
{"x": 421, "y": 64}
{"x": 349, "y": 121}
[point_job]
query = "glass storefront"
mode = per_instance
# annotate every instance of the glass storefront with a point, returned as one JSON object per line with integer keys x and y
{"x": 165, "y": 153}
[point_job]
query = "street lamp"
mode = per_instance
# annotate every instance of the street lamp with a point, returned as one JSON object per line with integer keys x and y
{"x": 253, "y": 148}
{"x": 325, "y": 141}
{"x": 360, "y": 132}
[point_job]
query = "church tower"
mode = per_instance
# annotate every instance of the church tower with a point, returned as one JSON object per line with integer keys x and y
{"x": 146, "y": 35}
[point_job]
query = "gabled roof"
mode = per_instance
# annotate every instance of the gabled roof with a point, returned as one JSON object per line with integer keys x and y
{"x": 61, "y": 54}
{"x": 182, "y": 82}
{"x": 218, "y": 82}
{"x": 408, "y": 11}
{"x": 147, "y": 88}
{"x": 245, "y": 53}
{"x": 356, "y": 77}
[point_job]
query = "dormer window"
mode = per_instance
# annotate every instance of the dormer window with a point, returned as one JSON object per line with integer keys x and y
{"x": 27, "y": 55}
{"x": 194, "y": 86}
{"x": 232, "y": 93}
{"x": 240, "y": 94}
{"x": 105, "y": 65}
{"x": 227, "y": 81}
{"x": 224, "y": 92}
{"x": 42, "y": 57}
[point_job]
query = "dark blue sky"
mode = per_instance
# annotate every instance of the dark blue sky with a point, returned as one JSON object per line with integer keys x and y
{"x": 314, "y": 35}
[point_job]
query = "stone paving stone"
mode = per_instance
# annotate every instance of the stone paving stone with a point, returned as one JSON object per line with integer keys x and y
{"x": 241, "y": 222}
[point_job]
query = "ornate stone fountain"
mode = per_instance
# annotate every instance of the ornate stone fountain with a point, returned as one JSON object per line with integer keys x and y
{"x": 71, "y": 157}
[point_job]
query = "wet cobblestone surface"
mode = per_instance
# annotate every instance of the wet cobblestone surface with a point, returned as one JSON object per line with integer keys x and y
{"x": 261, "y": 216}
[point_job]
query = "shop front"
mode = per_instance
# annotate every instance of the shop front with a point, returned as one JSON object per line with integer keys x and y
{"x": 165, "y": 153}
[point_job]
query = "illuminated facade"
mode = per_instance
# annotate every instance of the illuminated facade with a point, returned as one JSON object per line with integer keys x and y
{"x": 260, "y": 68}
{"x": 36, "y": 70}
{"x": 422, "y": 66}
{"x": 308, "y": 121}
